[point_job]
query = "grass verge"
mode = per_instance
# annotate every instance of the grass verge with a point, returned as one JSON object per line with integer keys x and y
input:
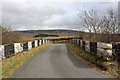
{"x": 109, "y": 68}
{"x": 10, "y": 65}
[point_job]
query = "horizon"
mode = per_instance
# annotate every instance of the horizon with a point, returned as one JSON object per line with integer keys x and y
{"x": 47, "y": 29}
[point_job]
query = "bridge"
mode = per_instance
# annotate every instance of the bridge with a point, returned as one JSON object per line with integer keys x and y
{"x": 56, "y": 61}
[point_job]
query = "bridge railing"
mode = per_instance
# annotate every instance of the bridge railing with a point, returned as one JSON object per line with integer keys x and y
{"x": 9, "y": 50}
{"x": 107, "y": 51}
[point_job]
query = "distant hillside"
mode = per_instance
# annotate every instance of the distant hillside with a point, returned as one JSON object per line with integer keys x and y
{"x": 50, "y": 32}
{"x": 45, "y": 35}
{"x": 84, "y": 35}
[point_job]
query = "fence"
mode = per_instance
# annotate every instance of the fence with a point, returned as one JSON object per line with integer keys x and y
{"x": 106, "y": 51}
{"x": 9, "y": 50}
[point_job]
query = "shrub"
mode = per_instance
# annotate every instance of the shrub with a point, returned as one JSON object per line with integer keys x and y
{"x": 10, "y": 36}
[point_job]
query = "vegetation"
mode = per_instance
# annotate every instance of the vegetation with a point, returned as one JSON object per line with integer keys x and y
{"x": 110, "y": 68}
{"x": 10, "y": 65}
{"x": 57, "y": 37}
{"x": 105, "y": 26}
{"x": 59, "y": 32}
{"x": 45, "y": 35}
{"x": 9, "y": 36}
{"x": 107, "y": 38}
{"x": 60, "y": 41}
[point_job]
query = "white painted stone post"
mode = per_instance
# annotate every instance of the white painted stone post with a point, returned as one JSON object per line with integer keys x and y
{"x": 78, "y": 42}
{"x": 29, "y": 45}
{"x": 2, "y": 54}
{"x": 43, "y": 41}
{"x": 46, "y": 41}
{"x": 40, "y": 42}
{"x": 21, "y": 47}
{"x": 104, "y": 50}
{"x": 81, "y": 43}
{"x": 17, "y": 48}
{"x": 87, "y": 46}
{"x": 36, "y": 44}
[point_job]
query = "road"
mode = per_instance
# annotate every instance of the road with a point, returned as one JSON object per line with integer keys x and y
{"x": 56, "y": 62}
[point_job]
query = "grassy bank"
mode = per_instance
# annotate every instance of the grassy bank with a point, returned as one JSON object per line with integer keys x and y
{"x": 109, "y": 68}
{"x": 10, "y": 65}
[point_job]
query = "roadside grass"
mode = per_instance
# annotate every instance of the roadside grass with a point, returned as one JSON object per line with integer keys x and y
{"x": 10, "y": 65}
{"x": 106, "y": 67}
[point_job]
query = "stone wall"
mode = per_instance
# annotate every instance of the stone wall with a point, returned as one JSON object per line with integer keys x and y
{"x": 103, "y": 50}
{"x": 9, "y": 50}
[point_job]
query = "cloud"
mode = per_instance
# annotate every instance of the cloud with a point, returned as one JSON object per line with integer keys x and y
{"x": 24, "y": 14}
{"x": 45, "y": 15}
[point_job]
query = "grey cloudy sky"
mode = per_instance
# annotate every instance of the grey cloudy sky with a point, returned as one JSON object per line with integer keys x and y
{"x": 47, "y": 15}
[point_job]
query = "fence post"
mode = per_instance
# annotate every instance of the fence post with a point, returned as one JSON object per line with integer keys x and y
{"x": 29, "y": 45}
{"x": 2, "y": 53}
{"x": 17, "y": 47}
{"x": 87, "y": 46}
{"x": 39, "y": 42}
{"x": 36, "y": 44}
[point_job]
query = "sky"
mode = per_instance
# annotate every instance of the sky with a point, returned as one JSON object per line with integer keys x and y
{"x": 48, "y": 15}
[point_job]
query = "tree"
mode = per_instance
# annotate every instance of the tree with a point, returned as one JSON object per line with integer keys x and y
{"x": 109, "y": 23}
{"x": 103, "y": 24}
{"x": 9, "y": 36}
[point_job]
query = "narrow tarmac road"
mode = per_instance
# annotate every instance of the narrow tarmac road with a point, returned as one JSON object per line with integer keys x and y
{"x": 56, "y": 62}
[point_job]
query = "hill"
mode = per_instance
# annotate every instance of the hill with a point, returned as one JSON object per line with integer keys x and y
{"x": 32, "y": 33}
